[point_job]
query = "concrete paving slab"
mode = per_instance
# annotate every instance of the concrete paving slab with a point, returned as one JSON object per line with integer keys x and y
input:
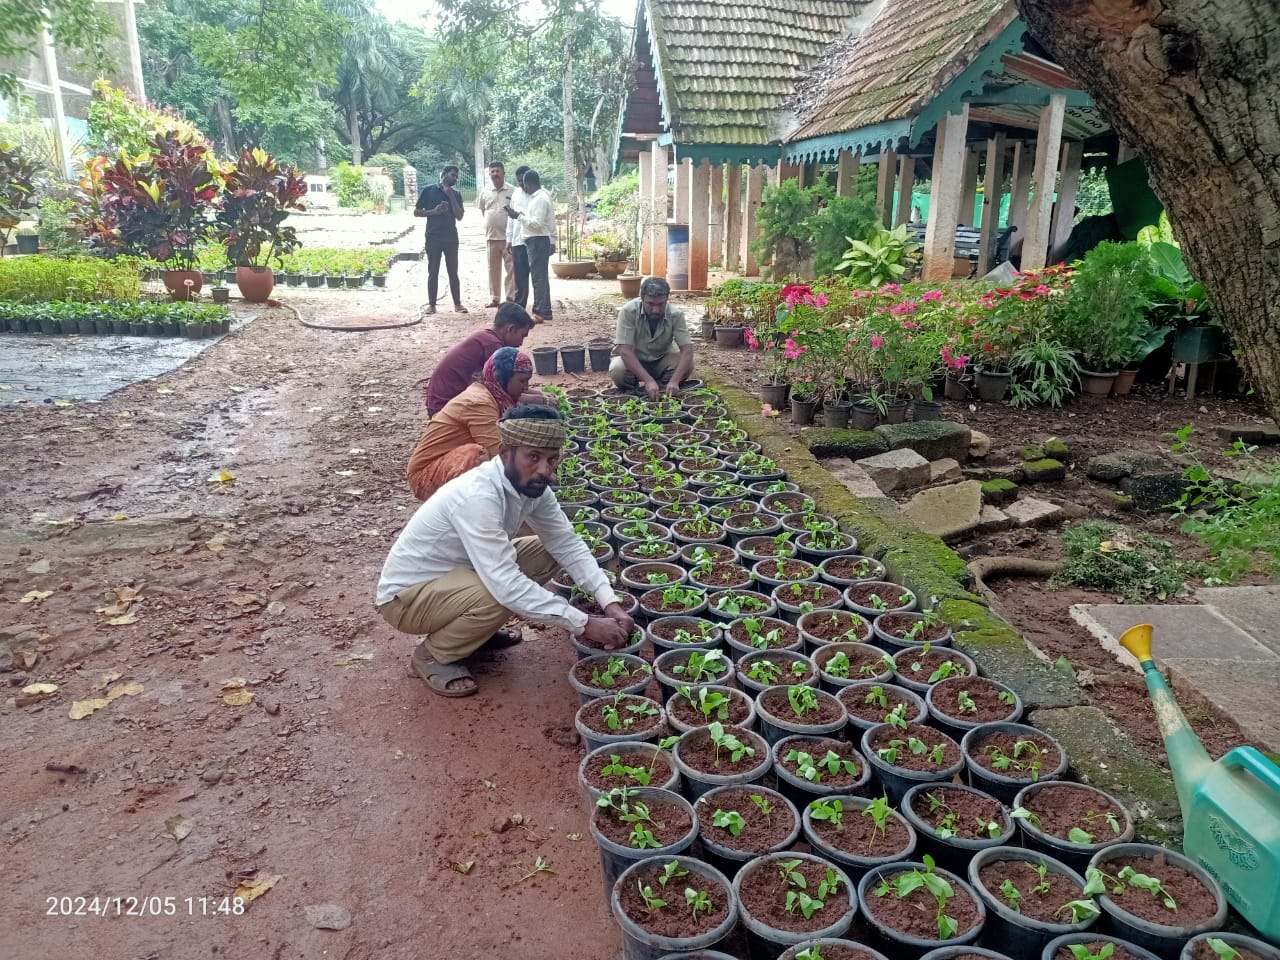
{"x": 856, "y": 480}
{"x": 948, "y": 512}
{"x": 1245, "y": 690}
{"x": 1033, "y": 512}
{"x": 993, "y": 520}
{"x": 896, "y": 470}
{"x": 1255, "y": 610}
{"x": 1182, "y": 631}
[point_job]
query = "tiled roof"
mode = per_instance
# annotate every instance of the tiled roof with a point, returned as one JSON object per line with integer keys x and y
{"x": 891, "y": 69}
{"x": 725, "y": 65}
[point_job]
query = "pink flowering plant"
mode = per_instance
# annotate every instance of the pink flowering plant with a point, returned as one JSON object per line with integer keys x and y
{"x": 783, "y": 345}
{"x": 1002, "y": 319}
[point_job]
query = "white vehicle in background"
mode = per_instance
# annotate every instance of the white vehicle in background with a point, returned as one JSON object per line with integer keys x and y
{"x": 320, "y": 194}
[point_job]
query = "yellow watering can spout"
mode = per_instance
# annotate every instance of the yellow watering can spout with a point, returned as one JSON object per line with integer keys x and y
{"x": 1137, "y": 640}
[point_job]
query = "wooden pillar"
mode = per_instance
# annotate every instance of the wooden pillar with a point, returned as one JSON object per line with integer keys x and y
{"x": 699, "y": 224}
{"x": 1035, "y": 247}
{"x": 944, "y": 200}
{"x": 645, "y": 214}
{"x": 684, "y": 174}
{"x": 1064, "y": 211}
{"x": 884, "y": 186}
{"x": 1024, "y": 162}
{"x": 969, "y": 195}
{"x": 658, "y": 226}
{"x": 715, "y": 232}
{"x": 784, "y": 171}
{"x": 750, "y": 220}
{"x": 847, "y": 173}
{"x": 992, "y": 192}
{"x": 733, "y": 218}
{"x": 906, "y": 180}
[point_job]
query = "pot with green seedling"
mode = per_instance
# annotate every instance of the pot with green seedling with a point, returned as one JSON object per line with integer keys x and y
{"x": 757, "y": 672}
{"x": 903, "y": 756}
{"x": 587, "y": 605}
{"x": 809, "y": 767}
{"x": 720, "y": 755}
{"x": 1092, "y": 945}
{"x": 1070, "y": 821}
{"x": 831, "y": 948}
{"x": 614, "y": 515}
{"x": 671, "y": 601}
{"x": 737, "y": 824}
{"x": 919, "y": 668}
{"x": 900, "y": 629}
{"x": 606, "y": 675}
{"x": 699, "y": 706}
{"x": 683, "y": 633}
{"x": 858, "y": 833}
{"x": 630, "y": 764}
{"x": 750, "y": 634}
{"x": 649, "y": 551}
{"x": 786, "y": 503}
{"x": 842, "y": 664}
{"x": 633, "y": 531}
{"x": 630, "y": 824}
{"x": 788, "y": 570}
{"x": 701, "y": 530}
{"x": 1030, "y": 898}
{"x": 796, "y": 599}
{"x": 967, "y": 952}
{"x": 821, "y": 627}
{"x": 743, "y": 526}
{"x": 650, "y": 576}
{"x": 958, "y": 704}
{"x": 871, "y": 598}
{"x": 691, "y": 667}
{"x": 1135, "y": 885}
{"x": 955, "y": 822}
{"x": 618, "y": 718}
{"x": 1002, "y": 758}
{"x": 665, "y": 904}
{"x": 786, "y": 898}
{"x": 762, "y": 488}
{"x": 871, "y": 703}
{"x": 724, "y": 606}
{"x": 823, "y": 540}
{"x": 798, "y": 709}
{"x": 1221, "y": 945}
{"x": 844, "y": 571}
{"x": 701, "y": 554}
{"x": 720, "y": 576}
{"x": 917, "y": 907}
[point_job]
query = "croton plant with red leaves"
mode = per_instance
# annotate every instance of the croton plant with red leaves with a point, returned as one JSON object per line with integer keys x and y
{"x": 259, "y": 195}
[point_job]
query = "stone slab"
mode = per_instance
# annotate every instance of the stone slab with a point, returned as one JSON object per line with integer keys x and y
{"x": 948, "y": 512}
{"x": 993, "y": 520}
{"x": 1245, "y": 690}
{"x": 1250, "y": 432}
{"x": 838, "y": 442}
{"x": 979, "y": 444}
{"x": 1033, "y": 512}
{"x": 896, "y": 470}
{"x": 855, "y": 479}
{"x": 1154, "y": 491}
{"x": 944, "y": 470}
{"x": 1255, "y": 610}
{"x": 932, "y": 439}
{"x": 1045, "y": 470}
{"x": 1183, "y": 631}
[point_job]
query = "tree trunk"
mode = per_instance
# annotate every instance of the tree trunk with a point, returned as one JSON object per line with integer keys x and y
{"x": 228, "y": 130}
{"x": 570, "y": 154}
{"x": 353, "y": 124}
{"x": 1192, "y": 85}
{"x": 478, "y": 148}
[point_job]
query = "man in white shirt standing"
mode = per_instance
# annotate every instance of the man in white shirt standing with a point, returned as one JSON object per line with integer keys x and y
{"x": 538, "y": 223}
{"x": 493, "y": 202}
{"x": 515, "y": 240}
{"x": 456, "y": 575}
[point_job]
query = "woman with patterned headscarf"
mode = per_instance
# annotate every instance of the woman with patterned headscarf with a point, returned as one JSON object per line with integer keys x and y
{"x": 465, "y": 433}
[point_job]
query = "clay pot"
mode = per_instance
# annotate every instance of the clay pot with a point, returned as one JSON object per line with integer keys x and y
{"x": 255, "y": 283}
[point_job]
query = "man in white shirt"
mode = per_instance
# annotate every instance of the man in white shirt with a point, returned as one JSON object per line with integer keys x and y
{"x": 493, "y": 202}
{"x": 538, "y": 224}
{"x": 515, "y": 240}
{"x": 456, "y": 575}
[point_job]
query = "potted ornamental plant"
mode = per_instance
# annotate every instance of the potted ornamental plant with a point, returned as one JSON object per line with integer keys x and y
{"x": 259, "y": 195}
{"x": 611, "y": 253}
{"x": 18, "y": 183}
{"x": 1105, "y": 311}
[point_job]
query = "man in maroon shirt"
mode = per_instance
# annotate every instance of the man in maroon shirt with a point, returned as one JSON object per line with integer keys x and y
{"x": 461, "y": 365}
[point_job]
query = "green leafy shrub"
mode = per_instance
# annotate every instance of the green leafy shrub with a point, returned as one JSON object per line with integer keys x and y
{"x": 879, "y": 259}
{"x": 142, "y": 311}
{"x": 1109, "y": 557}
{"x": 831, "y": 227}
{"x": 40, "y": 278}
{"x": 1107, "y": 304}
{"x": 55, "y": 227}
{"x": 616, "y": 196}
{"x": 785, "y": 232}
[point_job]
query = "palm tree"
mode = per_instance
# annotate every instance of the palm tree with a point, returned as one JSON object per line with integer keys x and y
{"x": 365, "y": 74}
{"x": 471, "y": 96}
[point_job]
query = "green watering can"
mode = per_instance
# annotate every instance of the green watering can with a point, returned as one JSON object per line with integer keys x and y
{"x": 1230, "y": 808}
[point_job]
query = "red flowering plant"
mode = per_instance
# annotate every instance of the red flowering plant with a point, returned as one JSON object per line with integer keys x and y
{"x": 799, "y": 312}
{"x": 1001, "y": 318}
{"x": 908, "y": 340}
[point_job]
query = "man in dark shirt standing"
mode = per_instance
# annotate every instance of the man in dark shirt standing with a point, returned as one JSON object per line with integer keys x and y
{"x": 441, "y": 204}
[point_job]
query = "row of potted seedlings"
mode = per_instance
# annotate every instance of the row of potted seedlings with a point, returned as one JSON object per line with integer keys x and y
{"x": 789, "y": 753}
{"x": 144, "y": 318}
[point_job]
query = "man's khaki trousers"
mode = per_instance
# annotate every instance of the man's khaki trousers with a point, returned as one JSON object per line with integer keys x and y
{"x": 500, "y": 260}
{"x": 456, "y": 612}
{"x": 660, "y": 369}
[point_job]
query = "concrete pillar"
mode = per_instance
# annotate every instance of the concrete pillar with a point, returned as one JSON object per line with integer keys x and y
{"x": 699, "y": 224}
{"x": 906, "y": 180}
{"x": 658, "y": 224}
{"x": 992, "y": 192}
{"x": 410, "y": 175}
{"x": 1035, "y": 247}
{"x": 1125, "y": 153}
{"x": 1024, "y": 162}
{"x": 135, "y": 50}
{"x": 750, "y": 220}
{"x": 645, "y": 214}
{"x": 969, "y": 194}
{"x": 51, "y": 77}
{"x": 733, "y": 218}
{"x": 684, "y": 173}
{"x": 715, "y": 232}
{"x": 1064, "y": 211}
{"x": 847, "y": 173}
{"x": 885, "y": 184}
{"x": 944, "y": 200}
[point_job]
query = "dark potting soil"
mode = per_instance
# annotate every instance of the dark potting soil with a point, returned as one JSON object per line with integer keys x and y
{"x": 861, "y": 837}
{"x": 787, "y": 633}
{"x": 784, "y": 664}
{"x": 1060, "y": 808}
{"x": 677, "y": 496}
{"x": 899, "y": 624}
{"x": 855, "y": 701}
{"x": 654, "y": 602}
{"x": 914, "y": 665}
{"x": 1093, "y": 946}
{"x": 639, "y": 723}
{"x": 675, "y": 512}
{"x": 720, "y": 671}
{"x": 852, "y": 568}
{"x": 747, "y": 520}
{"x": 1035, "y": 903}
{"x": 917, "y": 761}
{"x": 819, "y": 594}
{"x": 638, "y": 552}
{"x": 671, "y": 822}
{"x": 719, "y": 553}
{"x": 737, "y": 508}
{"x": 698, "y": 529}
{"x": 972, "y": 811}
{"x": 682, "y": 709}
{"x": 984, "y": 693}
{"x": 583, "y": 669}
{"x": 788, "y": 569}
{"x": 916, "y": 913}
{"x": 817, "y": 748}
{"x": 839, "y": 951}
{"x": 763, "y": 893}
{"x": 776, "y": 704}
{"x": 655, "y": 760}
{"x": 760, "y": 833}
{"x": 984, "y": 753}
{"x": 643, "y": 571}
{"x": 675, "y": 919}
{"x": 836, "y": 626}
{"x": 869, "y": 657}
{"x": 790, "y": 502}
{"x": 1201, "y": 950}
{"x": 1195, "y": 902}
{"x": 724, "y": 575}
{"x": 699, "y": 753}
{"x": 700, "y": 629}
{"x": 864, "y": 594}
{"x": 746, "y": 598}
{"x": 766, "y": 547}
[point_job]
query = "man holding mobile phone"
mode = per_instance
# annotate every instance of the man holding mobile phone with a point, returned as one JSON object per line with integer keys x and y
{"x": 441, "y": 204}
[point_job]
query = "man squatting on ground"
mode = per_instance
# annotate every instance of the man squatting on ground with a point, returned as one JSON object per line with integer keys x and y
{"x": 456, "y": 574}
{"x": 652, "y": 349}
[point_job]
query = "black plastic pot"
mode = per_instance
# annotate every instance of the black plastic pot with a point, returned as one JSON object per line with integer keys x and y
{"x": 898, "y": 780}
{"x": 640, "y": 944}
{"x": 917, "y": 711}
{"x": 901, "y": 945}
{"x": 893, "y": 643}
{"x": 802, "y": 791}
{"x": 953, "y": 853}
{"x": 615, "y": 858}
{"x": 767, "y": 624}
{"x": 595, "y": 739}
{"x": 997, "y": 784}
{"x": 854, "y": 865}
{"x": 823, "y": 655}
{"x": 906, "y": 658}
{"x": 601, "y": 355}
{"x": 1090, "y": 937}
{"x": 587, "y": 692}
{"x": 730, "y": 859}
{"x": 697, "y": 626}
{"x": 1237, "y": 941}
{"x": 592, "y": 793}
{"x": 875, "y": 572}
{"x": 799, "y": 948}
{"x": 546, "y": 361}
{"x": 767, "y": 943}
{"x": 1019, "y": 934}
{"x": 749, "y": 722}
{"x": 788, "y": 678}
{"x": 1074, "y": 855}
{"x": 694, "y": 783}
{"x": 952, "y": 953}
{"x": 632, "y": 649}
{"x": 943, "y": 706}
{"x": 574, "y": 358}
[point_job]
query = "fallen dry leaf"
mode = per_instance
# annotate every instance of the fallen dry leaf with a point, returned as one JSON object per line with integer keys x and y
{"x": 251, "y": 889}
{"x": 178, "y": 826}
{"x": 83, "y": 708}
{"x": 346, "y": 473}
{"x": 39, "y": 689}
{"x": 464, "y": 867}
{"x": 217, "y": 543}
{"x": 124, "y": 621}
{"x": 353, "y": 660}
{"x": 234, "y": 683}
{"x": 245, "y": 599}
{"x": 222, "y": 476}
{"x": 111, "y": 676}
{"x": 121, "y": 516}
{"x": 125, "y": 688}
{"x": 31, "y": 596}
{"x": 238, "y": 698}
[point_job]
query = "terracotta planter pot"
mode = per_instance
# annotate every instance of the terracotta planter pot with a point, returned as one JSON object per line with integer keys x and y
{"x": 630, "y": 285}
{"x": 255, "y": 283}
{"x": 175, "y": 281}
{"x": 1123, "y": 383}
{"x": 573, "y": 269}
{"x": 611, "y": 269}
{"x": 1096, "y": 383}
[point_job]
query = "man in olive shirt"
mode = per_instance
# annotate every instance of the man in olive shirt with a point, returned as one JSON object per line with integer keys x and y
{"x": 651, "y": 345}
